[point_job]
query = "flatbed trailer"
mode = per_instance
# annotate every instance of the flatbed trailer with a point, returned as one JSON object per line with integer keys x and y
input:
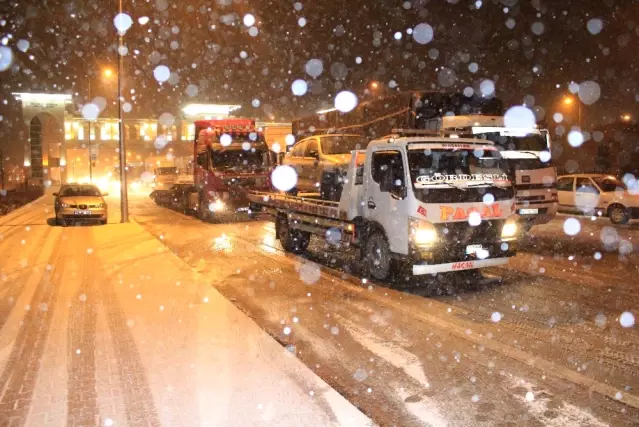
{"x": 438, "y": 222}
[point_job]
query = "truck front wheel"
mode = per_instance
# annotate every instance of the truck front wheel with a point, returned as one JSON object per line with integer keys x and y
{"x": 295, "y": 241}
{"x": 377, "y": 256}
{"x": 203, "y": 211}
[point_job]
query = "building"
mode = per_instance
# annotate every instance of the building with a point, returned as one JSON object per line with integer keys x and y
{"x": 64, "y": 146}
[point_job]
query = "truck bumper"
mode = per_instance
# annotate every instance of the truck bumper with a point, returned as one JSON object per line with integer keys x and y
{"x": 421, "y": 269}
{"x": 455, "y": 258}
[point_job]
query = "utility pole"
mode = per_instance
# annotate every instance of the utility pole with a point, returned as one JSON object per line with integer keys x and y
{"x": 90, "y": 158}
{"x": 1, "y": 169}
{"x": 124, "y": 201}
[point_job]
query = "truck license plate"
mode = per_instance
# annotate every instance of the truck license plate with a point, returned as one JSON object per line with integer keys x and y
{"x": 82, "y": 212}
{"x": 528, "y": 211}
{"x": 472, "y": 249}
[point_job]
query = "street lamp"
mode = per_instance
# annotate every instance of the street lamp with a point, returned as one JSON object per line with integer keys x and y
{"x": 108, "y": 73}
{"x": 568, "y": 101}
{"x": 626, "y": 117}
{"x": 374, "y": 85}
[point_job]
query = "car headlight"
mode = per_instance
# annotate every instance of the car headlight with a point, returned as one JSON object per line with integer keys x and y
{"x": 509, "y": 229}
{"x": 65, "y": 205}
{"x": 422, "y": 233}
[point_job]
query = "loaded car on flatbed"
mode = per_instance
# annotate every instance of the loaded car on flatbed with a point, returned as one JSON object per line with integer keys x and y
{"x": 444, "y": 204}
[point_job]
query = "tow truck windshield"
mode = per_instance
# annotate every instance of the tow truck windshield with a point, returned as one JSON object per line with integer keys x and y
{"x": 438, "y": 174}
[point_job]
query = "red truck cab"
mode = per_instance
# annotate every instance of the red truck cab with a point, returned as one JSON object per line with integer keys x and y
{"x": 230, "y": 158}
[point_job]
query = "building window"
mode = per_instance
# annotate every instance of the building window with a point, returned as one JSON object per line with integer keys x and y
{"x": 127, "y": 132}
{"x": 188, "y": 132}
{"x": 105, "y": 132}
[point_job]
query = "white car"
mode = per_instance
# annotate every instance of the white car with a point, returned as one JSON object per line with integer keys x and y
{"x": 597, "y": 193}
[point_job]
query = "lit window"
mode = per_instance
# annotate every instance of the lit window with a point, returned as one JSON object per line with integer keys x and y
{"x": 190, "y": 136}
{"x": 115, "y": 131}
{"x": 105, "y": 132}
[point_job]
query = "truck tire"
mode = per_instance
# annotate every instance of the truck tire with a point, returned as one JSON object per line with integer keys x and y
{"x": 295, "y": 241}
{"x": 202, "y": 209}
{"x": 376, "y": 257}
{"x": 618, "y": 214}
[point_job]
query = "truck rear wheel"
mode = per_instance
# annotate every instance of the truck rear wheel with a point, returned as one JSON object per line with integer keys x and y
{"x": 377, "y": 256}
{"x": 295, "y": 241}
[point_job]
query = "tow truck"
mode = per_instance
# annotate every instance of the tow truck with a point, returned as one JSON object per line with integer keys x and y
{"x": 444, "y": 204}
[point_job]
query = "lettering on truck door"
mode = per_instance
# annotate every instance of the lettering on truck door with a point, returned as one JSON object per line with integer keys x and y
{"x": 382, "y": 204}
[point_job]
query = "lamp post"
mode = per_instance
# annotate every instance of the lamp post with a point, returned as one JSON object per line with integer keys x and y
{"x": 124, "y": 201}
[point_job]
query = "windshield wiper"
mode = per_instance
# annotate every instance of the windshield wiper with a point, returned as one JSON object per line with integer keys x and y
{"x": 529, "y": 152}
{"x": 450, "y": 184}
{"x": 488, "y": 184}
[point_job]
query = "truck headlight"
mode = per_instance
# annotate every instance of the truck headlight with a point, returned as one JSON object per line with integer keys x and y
{"x": 509, "y": 229}
{"x": 422, "y": 233}
{"x": 217, "y": 206}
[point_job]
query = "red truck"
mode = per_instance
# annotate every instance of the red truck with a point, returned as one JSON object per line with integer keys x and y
{"x": 230, "y": 157}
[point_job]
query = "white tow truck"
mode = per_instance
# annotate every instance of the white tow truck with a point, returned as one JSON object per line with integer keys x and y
{"x": 443, "y": 204}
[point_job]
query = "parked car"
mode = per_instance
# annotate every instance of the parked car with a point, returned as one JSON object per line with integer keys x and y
{"x": 597, "y": 194}
{"x": 80, "y": 203}
{"x": 315, "y": 156}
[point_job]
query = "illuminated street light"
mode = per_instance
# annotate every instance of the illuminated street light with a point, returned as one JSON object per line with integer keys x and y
{"x": 568, "y": 101}
{"x": 626, "y": 117}
{"x": 374, "y": 85}
{"x": 108, "y": 73}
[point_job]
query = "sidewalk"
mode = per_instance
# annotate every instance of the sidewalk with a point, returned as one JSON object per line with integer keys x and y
{"x": 104, "y": 326}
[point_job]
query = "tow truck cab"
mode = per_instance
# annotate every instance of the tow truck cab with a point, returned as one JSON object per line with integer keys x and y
{"x": 445, "y": 206}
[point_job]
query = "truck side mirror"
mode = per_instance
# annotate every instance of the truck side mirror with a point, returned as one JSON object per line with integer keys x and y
{"x": 398, "y": 192}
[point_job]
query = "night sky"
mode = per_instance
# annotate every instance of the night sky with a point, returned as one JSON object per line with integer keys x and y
{"x": 526, "y": 47}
